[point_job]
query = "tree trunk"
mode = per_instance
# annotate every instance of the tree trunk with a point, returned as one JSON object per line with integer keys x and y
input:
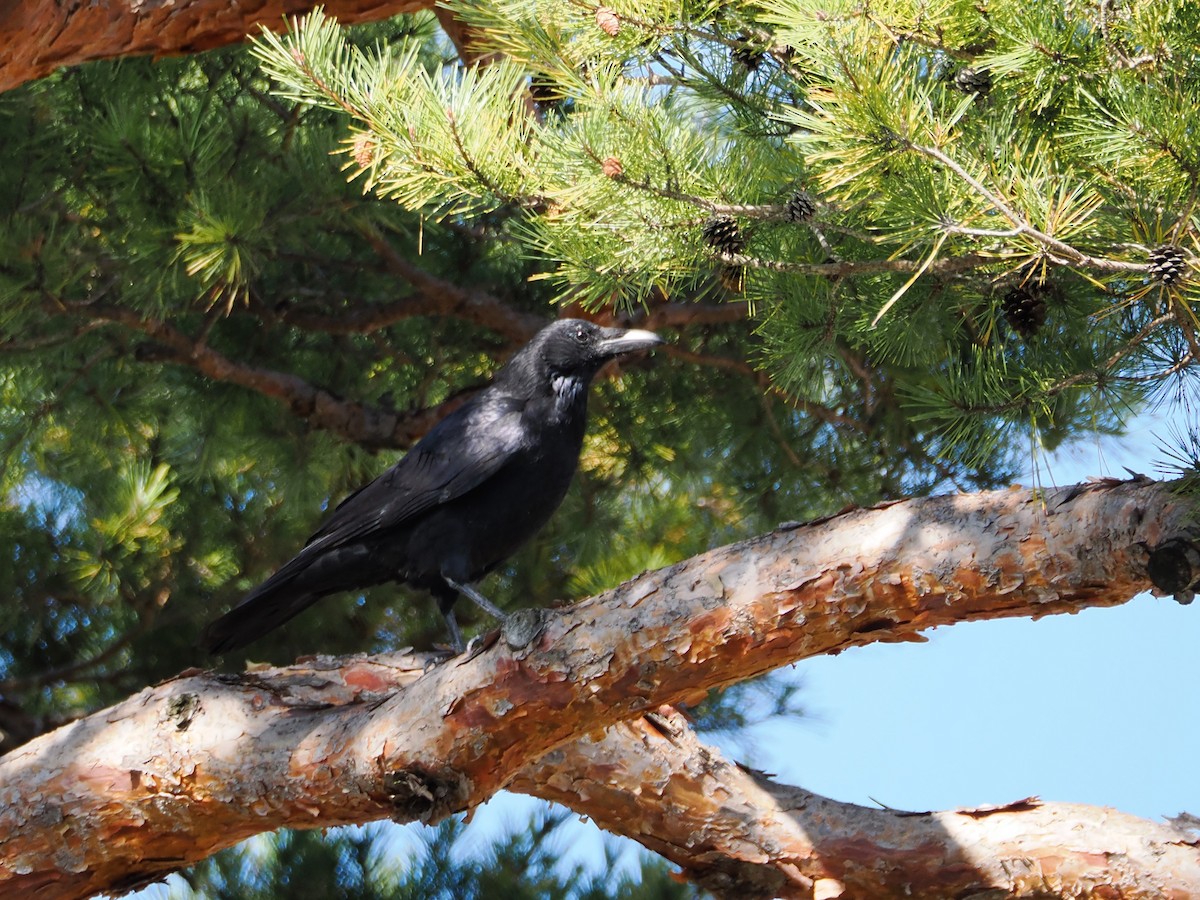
{"x": 193, "y": 765}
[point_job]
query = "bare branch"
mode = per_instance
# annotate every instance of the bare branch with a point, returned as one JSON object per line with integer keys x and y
{"x": 439, "y": 297}
{"x": 681, "y": 315}
{"x": 372, "y": 427}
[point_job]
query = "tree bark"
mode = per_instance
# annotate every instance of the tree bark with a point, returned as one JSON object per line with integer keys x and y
{"x": 185, "y": 768}
{"x": 738, "y": 834}
{"x": 39, "y": 36}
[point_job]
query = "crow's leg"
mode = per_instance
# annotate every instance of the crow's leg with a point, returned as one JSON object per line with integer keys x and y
{"x": 478, "y": 599}
{"x": 456, "y": 638}
{"x": 445, "y": 595}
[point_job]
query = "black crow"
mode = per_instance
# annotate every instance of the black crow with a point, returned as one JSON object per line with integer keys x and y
{"x": 473, "y": 490}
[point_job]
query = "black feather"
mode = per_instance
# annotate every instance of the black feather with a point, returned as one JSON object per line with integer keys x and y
{"x": 468, "y": 495}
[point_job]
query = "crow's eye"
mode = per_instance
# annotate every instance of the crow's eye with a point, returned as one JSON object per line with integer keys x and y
{"x": 581, "y": 335}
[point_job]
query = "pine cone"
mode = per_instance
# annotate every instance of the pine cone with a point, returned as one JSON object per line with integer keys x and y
{"x": 748, "y": 56}
{"x": 721, "y": 233}
{"x": 973, "y": 81}
{"x": 545, "y": 92}
{"x": 1025, "y": 309}
{"x": 608, "y": 20}
{"x": 1167, "y": 264}
{"x": 801, "y": 207}
{"x": 363, "y": 149}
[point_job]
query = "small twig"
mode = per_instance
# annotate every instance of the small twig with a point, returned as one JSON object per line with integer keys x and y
{"x": 746, "y": 210}
{"x": 51, "y": 340}
{"x": 445, "y": 298}
{"x": 777, "y": 432}
{"x": 473, "y": 167}
{"x": 1185, "y": 319}
{"x": 1092, "y": 377}
{"x": 982, "y": 232}
{"x": 1184, "y": 362}
{"x": 653, "y": 79}
{"x": 285, "y": 115}
{"x": 850, "y": 267}
{"x": 1070, "y": 254}
{"x": 353, "y": 111}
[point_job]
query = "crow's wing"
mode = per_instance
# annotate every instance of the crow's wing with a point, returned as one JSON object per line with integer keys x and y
{"x": 459, "y": 453}
{"x": 456, "y": 456}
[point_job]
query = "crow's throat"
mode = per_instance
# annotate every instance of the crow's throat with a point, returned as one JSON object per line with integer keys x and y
{"x": 570, "y": 394}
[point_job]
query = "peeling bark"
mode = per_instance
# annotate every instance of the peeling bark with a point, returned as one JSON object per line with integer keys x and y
{"x": 39, "y": 36}
{"x": 737, "y": 833}
{"x": 195, "y": 764}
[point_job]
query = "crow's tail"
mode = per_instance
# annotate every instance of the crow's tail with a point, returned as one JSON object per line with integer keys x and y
{"x": 300, "y": 583}
{"x": 267, "y": 607}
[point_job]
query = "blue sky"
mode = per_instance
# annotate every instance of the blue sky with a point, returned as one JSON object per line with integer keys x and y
{"x": 1099, "y": 707}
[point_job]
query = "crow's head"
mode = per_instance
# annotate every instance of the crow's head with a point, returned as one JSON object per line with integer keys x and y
{"x": 565, "y": 355}
{"x": 576, "y": 348}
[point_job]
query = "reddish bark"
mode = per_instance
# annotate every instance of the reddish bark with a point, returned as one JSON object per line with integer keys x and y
{"x": 39, "y": 36}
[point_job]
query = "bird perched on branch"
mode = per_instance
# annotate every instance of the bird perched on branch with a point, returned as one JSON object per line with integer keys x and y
{"x": 464, "y": 499}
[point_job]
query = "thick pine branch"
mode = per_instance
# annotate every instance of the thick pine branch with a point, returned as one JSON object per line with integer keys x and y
{"x": 193, "y": 765}
{"x": 39, "y": 36}
{"x": 739, "y": 834}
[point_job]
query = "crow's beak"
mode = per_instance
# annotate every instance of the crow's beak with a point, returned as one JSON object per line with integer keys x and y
{"x": 628, "y": 341}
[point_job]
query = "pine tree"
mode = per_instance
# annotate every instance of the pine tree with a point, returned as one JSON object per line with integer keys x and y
{"x": 359, "y": 864}
{"x": 958, "y": 231}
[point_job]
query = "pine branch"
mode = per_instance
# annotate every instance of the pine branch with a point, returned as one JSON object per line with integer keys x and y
{"x": 850, "y": 268}
{"x": 1068, "y": 254}
{"x": 372, "y": 427}
{"x": 203, "y": 760}
{"x": 69, "y": 671}
{"x": 673, "y": 316}
{"x": 46, "y": 341}
{"x": 741, "y": 367}
{"x": 738, "y": 833}
{"x": 439, "y": 297}
{"x": 747, "y": 210}
{"x": 71, "y": 34}
{"x": 1102, "y": 374}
